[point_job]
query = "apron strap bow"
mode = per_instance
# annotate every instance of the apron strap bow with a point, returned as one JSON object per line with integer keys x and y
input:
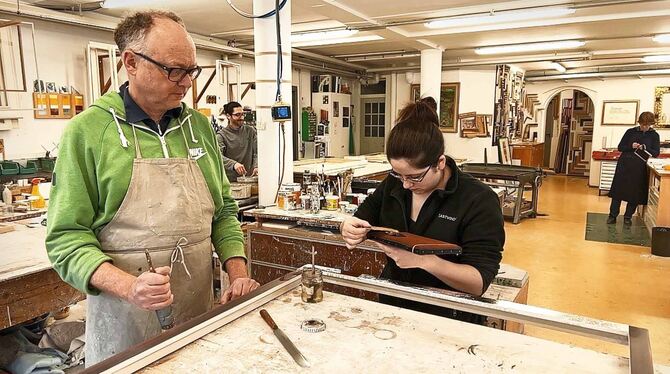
{"x": 178, "y": 255}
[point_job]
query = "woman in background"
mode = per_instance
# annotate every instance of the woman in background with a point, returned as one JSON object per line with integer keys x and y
{"x": 631, "y": 178}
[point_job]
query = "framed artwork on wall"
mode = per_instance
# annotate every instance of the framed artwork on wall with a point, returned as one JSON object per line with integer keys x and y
{"x": 504, "y": 151}
{"x": 662, "y": 106}
{"x": 468, "y": 123}
{"x": 449, "y": 97}
{"x": 484, "y": 121}
{"x": 620, "y": 112}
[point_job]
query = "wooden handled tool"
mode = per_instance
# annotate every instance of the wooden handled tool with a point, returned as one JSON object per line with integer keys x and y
{"x": 284, "y": 340}
{"x": 165, "y": 317}
{"x": 384, "y": 229}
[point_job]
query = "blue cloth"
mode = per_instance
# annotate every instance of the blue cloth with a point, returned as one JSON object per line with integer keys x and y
{"x": 32, "y": 359}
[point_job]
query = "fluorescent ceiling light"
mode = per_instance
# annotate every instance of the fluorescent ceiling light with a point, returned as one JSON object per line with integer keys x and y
{"x": 662, "y": 38}
{"x": 500, "y": 17}
{"x": 321, "y": 35}
{"x": 658, "y": 58}
{"x": 355, "y": 39}
{"x": 530, "y": 47}
{"x": 111, "y": 4}
{"x": 558, "y": 67}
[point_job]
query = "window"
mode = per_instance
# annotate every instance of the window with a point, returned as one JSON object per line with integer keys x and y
{"x": 375, "y": 119}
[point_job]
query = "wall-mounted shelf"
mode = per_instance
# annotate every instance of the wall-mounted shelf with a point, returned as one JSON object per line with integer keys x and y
{"x": 9, "y": 119}
{"x": 51, "y": 105}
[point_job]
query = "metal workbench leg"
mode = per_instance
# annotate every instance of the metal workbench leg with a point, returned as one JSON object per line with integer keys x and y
{"x": 536, "y": 197}
{"x": 517, "y": 205}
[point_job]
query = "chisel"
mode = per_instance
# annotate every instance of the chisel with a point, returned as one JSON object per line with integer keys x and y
{"x": 165, "y": 317}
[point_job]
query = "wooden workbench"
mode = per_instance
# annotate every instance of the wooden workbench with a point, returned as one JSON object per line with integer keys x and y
{"x": 360, "y": 337}
{"x": 364, "y": 168}
{"x": 657, "y": 211}
{"x": 274, "y": 250}
{"x": 29, "y": 287}
{"x": 10, "y": 217}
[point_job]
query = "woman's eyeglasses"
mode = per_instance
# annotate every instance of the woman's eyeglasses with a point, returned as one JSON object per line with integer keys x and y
{"x": 415, "y": 179}
{"x": 174, "y": 74}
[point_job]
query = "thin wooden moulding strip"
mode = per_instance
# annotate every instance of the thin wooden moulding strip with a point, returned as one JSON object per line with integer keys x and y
{"x": 145, "y": 353}
{"x": 154, "y": 349}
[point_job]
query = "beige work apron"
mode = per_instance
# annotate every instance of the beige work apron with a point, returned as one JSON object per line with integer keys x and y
{"x": 168, "y": 210}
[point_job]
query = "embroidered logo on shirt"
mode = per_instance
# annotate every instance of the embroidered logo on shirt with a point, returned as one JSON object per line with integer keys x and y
{"x": 444, "y": 216}
{"x": 196, "y": 153}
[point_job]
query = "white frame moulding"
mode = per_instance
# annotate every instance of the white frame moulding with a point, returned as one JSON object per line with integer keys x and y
{"x": 637, "y": 339}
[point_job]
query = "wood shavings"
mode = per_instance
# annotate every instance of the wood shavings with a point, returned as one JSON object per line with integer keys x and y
{"x": 338, "y": 317}
{"x": 393, "y": 321}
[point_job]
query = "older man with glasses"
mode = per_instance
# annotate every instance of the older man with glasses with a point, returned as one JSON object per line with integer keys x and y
{"x": 238, "y": 144}
{"x": 139, "y": 178}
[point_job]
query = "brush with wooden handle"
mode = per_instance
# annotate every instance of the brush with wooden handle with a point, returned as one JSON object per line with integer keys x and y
{"x": 384, "y": 229}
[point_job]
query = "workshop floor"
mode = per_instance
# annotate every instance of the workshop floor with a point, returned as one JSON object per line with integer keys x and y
{"x": 615, "y": 282}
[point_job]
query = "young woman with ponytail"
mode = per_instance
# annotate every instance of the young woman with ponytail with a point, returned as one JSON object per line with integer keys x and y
{"x": 426, "y": 194}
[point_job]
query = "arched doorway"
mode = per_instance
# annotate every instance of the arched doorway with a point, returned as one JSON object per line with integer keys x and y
{"x": 569, "y": 133}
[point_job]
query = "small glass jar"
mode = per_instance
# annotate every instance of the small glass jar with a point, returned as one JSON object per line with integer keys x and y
{"x": 312, "y": 285}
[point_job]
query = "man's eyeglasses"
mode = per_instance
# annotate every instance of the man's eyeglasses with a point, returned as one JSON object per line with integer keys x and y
{"x": 417, "y": 179}
{"x": 237, "y": 115}
{"x": 174, "y": 74}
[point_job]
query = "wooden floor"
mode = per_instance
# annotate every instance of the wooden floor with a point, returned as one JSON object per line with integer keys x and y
{"x": 615, "y": 282}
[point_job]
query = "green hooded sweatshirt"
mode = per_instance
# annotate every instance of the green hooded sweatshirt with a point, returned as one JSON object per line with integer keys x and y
{"x": 92, "y": 176}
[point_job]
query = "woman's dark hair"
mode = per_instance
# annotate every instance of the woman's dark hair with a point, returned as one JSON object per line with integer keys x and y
{"x": 430, "y": 101}
{"x": 416, "y": 136}
{"x": 228, "y": 108}
{"x": 647, "y": 117}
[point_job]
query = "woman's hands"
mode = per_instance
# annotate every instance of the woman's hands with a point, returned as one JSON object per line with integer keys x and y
{"x": 354, "y": 231}
{"x": 405, "y": 259}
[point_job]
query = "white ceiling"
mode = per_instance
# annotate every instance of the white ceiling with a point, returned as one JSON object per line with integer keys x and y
{"x": 625, "y": 27}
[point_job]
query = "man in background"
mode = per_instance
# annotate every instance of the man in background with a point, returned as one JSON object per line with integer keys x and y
{"x": 237, "y": 143}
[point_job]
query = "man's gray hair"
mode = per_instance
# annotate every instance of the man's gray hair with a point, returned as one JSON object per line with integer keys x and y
{"x": 132, "y": 30}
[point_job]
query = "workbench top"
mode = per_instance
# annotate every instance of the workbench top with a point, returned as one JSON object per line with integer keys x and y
{"x": 29, "y": 287}
{"x": 364, "y": 336}
{"x": 23, "y": 251}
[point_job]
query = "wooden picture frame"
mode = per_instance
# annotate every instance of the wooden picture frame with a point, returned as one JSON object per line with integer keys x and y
{"x": 449, "y": 100}
{"x": 468, "y": 124}
{"x": 620, "y": 112}
{"x": 484, "y": 121}
{"x": 504, "y": 151}
{"x": 527, "y": 131}
{"x": 661, "y": 99}
{"x": 473, "y": 125}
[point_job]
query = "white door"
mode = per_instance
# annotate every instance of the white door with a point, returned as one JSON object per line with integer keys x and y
{"x": 374, "y": 126}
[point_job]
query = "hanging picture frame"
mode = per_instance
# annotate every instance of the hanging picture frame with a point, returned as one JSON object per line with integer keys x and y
{"x": 483, "y": 121}
{"x": 449, "y": 100}
{"x": 468, "y": 124}
{"x": 620, "y": 112}
{"x": 662, "y": 106}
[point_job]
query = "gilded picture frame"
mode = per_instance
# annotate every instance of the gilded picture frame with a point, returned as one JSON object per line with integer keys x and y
{"x": 449, "y": 100}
